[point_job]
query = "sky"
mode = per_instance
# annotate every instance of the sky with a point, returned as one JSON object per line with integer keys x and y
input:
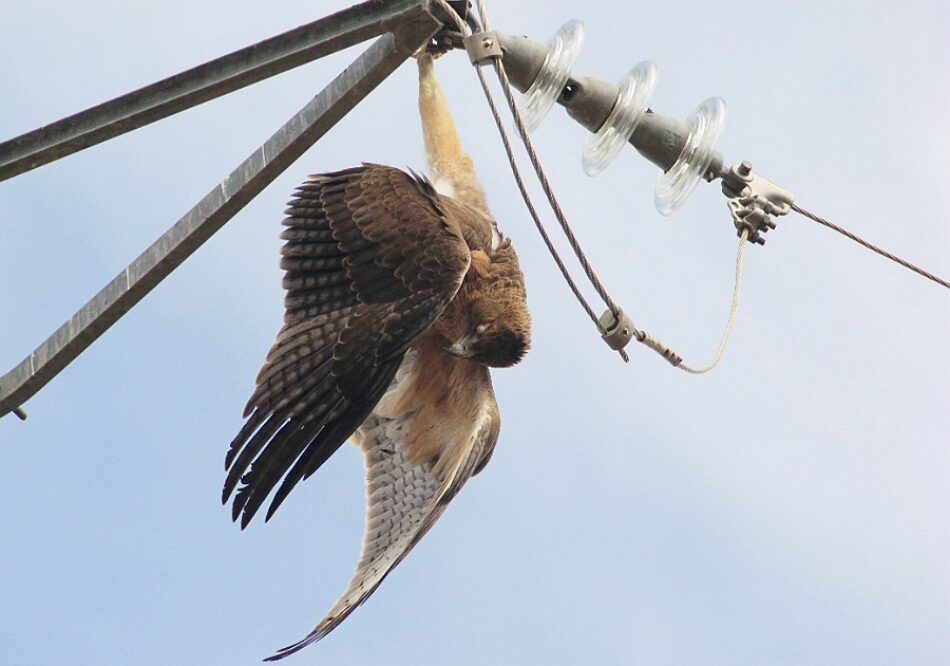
{"x": 791, "y": 507}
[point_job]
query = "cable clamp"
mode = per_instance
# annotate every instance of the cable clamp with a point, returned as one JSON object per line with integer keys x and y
{"x": 482, "y": 46}
{"x": 618, "y": 329}
{"x": 752, "y": 199}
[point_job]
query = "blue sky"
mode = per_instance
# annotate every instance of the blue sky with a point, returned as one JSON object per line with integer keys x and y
{"x": 789, "y": 508}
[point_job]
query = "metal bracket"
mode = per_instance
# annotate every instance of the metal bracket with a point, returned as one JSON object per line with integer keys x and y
{"x": 450, "y": 37}
{"x": 404, "y": 18}
{"x": 482, "y": 46}
{"x": 408, "y": 25}
{"x": 752, "y": 199}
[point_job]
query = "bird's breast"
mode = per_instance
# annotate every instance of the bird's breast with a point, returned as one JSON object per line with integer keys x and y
{"x": 437, "y": 401}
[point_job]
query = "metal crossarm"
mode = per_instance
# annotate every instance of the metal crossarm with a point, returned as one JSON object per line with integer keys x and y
{"x": 217, "y": 207}
{"x": 208, "y": 81}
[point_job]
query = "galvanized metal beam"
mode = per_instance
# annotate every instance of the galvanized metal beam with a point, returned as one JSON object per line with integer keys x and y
{"x": 213, "y": 211}
{"x": 204, "y": 82}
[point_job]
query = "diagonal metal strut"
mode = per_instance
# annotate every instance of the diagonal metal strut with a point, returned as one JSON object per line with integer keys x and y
{"x": 216, "y": 208}
{"x": 205, "y": 82}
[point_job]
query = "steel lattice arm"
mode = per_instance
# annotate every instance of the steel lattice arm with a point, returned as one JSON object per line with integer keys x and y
{"x": 411, "y": 25}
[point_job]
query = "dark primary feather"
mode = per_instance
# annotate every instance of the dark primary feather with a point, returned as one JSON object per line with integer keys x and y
{"x": 371, "y": 259}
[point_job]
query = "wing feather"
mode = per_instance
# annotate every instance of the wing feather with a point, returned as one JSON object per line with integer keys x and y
{"x": 371, "y": 260}
{"x": 403, "y": 498}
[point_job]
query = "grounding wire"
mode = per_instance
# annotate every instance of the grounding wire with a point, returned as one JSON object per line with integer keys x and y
{"x": 730, "y": 322}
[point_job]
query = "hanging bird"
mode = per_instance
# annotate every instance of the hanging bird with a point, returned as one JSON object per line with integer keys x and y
{"x": 400, "y": 296}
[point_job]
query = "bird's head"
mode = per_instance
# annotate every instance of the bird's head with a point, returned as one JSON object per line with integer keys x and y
{"x": 491, "y": 347}
{"x": 499, "y": 331}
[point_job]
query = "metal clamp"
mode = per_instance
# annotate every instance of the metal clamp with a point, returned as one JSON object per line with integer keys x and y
{"x": 482, "y": 46}
{"x": 618, "y": 329}
{"x": 752, "y": 199}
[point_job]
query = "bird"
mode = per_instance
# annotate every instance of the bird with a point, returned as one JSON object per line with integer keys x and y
{"x": 401, "y": 293}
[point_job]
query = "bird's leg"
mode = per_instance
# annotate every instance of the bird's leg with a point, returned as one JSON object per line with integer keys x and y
{"x": 449, "y": 165}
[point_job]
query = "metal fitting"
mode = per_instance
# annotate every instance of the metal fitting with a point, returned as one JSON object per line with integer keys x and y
{"x": 618, "y": 329}
{"x": 752, "y": 199}
{"x": 482, "y": 47}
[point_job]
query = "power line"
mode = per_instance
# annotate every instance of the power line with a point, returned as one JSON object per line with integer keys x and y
{"x": 857, "y": 239}
{"x": 752, "y": 200}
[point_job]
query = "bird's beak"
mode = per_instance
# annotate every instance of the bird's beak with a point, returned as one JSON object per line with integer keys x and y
{"x": 462, "y": 347}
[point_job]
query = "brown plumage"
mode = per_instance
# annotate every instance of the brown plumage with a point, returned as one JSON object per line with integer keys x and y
{"x": 398, "y": 300}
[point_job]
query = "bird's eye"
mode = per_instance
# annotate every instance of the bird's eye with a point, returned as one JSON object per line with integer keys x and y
{"x": 481, "y": 328}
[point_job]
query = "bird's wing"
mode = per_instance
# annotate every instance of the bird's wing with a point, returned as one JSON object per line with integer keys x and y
{"x": 405, "y": 498}
{"x": 371, "y": 260}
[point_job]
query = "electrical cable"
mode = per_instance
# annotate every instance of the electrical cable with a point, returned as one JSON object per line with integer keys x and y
{"x": 724, "y": 340}
{"x": 874, "y": 248}
{"x": 545, "y": 185}
{"x": 641, "y": 336}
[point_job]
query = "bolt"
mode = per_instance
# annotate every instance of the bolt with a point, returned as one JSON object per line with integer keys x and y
{"x": 487, "y": 43}
{"x": 744, "y": 169}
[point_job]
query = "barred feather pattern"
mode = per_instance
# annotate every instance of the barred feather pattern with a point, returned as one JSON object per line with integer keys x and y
{"x": 382, "y": 275}
{"x": 403, "y": 498}
{"x": 371, "y": 259}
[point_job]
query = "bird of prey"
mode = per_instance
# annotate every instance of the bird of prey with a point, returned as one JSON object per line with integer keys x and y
{"x": 400, "y": 296}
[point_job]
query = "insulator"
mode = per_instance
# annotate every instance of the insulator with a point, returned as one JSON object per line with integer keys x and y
{"x": 563, "y": 49}
{"x": 705, "y": 127}
{"x": 636, "y": 89}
